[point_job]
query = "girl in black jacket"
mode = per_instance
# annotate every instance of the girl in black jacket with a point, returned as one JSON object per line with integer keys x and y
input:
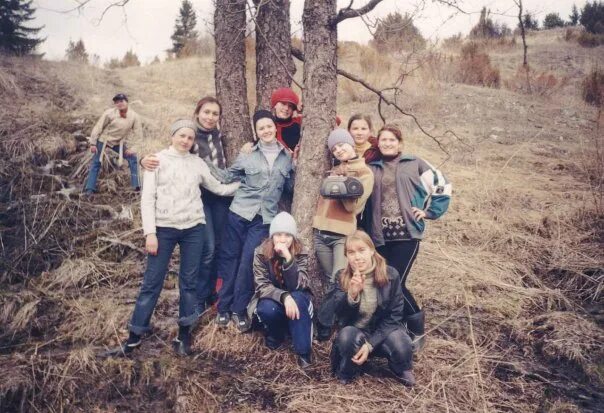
{"x": 369, "y": 306}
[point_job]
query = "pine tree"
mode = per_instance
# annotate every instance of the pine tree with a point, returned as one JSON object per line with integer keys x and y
{"x": 130, "y": 59}
{"x": 76, "y": 52}
{"x": 15, "y": 37}
{"x": 552, "y": 20}
{"x": 592, "y": 17}
{"x": 530, "y": 23}
{"x": 184, "y": 29}
{"x": 397, "y": 32}
{"x": 574, "y": 16}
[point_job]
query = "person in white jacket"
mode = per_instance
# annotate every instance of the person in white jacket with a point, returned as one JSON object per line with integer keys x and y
{"x": 172, "y": 213}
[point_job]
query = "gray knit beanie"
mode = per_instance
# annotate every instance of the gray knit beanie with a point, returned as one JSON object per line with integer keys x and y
{"x": 283, "y": 222}
{"x": 339, "y": 135}
{"x": 182, "y": 123}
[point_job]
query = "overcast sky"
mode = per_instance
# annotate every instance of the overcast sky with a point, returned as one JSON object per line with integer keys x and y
{"x": 145, "y": 26}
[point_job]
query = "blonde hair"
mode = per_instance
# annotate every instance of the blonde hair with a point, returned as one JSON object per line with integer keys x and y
{"x": 380, "y": 275}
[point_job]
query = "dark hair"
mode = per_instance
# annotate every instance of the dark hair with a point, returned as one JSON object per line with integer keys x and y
{"x": 380, "y": 274}
{"x": 203, "y": 101}
{"x": 360, "y": 116}
{"x": 268, "y": 250}
{"x": 393, "y": 130}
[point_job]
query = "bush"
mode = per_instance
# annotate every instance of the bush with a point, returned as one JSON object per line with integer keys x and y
{"x": 397, "y": 33}
{"x": 530, "y": 23}
{"x": 592, "y": 17}
{"x": 552, "y": 20}
{"x": 541, "y": 83}
{"x": 475, "y": 67}
{"x": 587, "y": 39}
{"x": 486, "y": 29}
{"x": 592, "y": 87}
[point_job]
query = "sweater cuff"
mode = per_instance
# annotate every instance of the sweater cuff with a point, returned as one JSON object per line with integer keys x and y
{"x": 369, "y": 346}
{"x": 352, "y": 301}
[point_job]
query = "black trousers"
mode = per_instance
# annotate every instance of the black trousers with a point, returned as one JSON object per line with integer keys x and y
{"x": 401, "y": 255}
{"x": 396, "y": 348}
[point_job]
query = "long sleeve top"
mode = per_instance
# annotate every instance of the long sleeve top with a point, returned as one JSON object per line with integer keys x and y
{"x": 171, "y": 195}
{"x": 112, "y": 128}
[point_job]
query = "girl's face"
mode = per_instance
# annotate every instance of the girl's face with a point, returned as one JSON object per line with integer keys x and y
{"x": 360, "y": 131}
{"x": 360, "y": 255}
{"x": 283, "y": 238}
{"x": 388, "y": 144}
{"x": 266, "y": 130}
{"x": 284, "y": 110}
{"x": 343, "y": 152}
{"x": 209, "y": 115}
{"x": 183, "y": 140}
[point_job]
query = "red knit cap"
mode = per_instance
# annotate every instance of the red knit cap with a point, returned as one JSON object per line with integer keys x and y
{"x": 285, "y": 95}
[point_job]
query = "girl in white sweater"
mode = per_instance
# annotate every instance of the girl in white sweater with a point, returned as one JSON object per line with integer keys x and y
{"x": 172, "y": 213}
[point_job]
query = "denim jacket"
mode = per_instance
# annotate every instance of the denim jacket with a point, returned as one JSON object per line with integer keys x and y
{"x": 261, "y": 187}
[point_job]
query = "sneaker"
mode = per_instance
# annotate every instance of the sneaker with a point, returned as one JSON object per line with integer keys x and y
{"x": 223, "y": 319}
{"x": 129, "y": 346}
{"x": 407, "y": 378}
{"x": 304, "y": 361}
{"x": 242, "y": 322}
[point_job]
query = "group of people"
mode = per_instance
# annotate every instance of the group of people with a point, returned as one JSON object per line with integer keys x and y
{"x": 238, "y": 250}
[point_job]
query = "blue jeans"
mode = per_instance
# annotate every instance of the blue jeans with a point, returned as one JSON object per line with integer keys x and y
{"x": 272, "y": 315}
{"x": 240, "y": 239}
{"x": 216, "y": 210}
{"x": 95, "y": 167}
{"x": 190, "y": 241}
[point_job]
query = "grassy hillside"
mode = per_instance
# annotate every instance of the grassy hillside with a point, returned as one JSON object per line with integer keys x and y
{"x": 511, "y": 278}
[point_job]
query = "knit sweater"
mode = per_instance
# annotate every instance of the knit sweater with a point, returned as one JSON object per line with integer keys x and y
{"x": 112, "y": 128}
{"x": 171, "y": 196}
{"x": 340, "y": 215}
{"x": 367, "y": 299}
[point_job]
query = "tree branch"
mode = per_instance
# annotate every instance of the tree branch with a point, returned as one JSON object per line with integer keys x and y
{"x": 348, "y": 12}
{"x": 298, "y": 54}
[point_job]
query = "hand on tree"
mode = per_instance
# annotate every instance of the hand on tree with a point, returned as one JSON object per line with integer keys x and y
{"x": 362, "y": 355}
{"x": 150, "y": 162}
{"x": 419, "y": 214}
{"x": 151, "y": 245}
{"x": 296, "y": 153}
{"x": 246, "y": 148}
{"x": 291, "y": 308}
{"x": 283, "y": 251}
{"x": 356, "y": 285}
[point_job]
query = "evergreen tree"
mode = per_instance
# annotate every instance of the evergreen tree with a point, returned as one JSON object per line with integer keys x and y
{"x": 130, "y": 59}
{"x": 15, "y": 37}
{"x": 76, "y": 52}
{"x": 530, "y": 23}
{"x": 592, "y": 17}
{"x": 184, "y": 29}
{"x": 574, "y": 16}
{"x": 552, "y": 20}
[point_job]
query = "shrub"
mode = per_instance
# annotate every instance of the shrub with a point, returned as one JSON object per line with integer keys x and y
{"x": 475, "y": 67}
{"x": 587, "y": 39}
{"x": 592, "y": 17}
{"x": 530, "y": 23}
{"x": 453, "y": 42}
{"x": 397, "y": 33}
{"x": 552, "y": 20}
{"x": 486, "y": 28}
{"x": 541, "y": 83}
{"x": 76, "y": 52}
{"x": 592, "y": 87}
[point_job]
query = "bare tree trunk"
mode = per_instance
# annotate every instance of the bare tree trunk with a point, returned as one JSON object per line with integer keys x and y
{"x": 274, "y": 63}
{"x": 319, "y": 97}
{"x": 524, "y": 45}
{"x": 229, "y": 74}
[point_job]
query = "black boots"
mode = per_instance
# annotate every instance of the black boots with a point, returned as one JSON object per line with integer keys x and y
{"x": 304, "y": 361}
{"x": 407, "y": 378}
{"x": 182, "y": 344}
{"x": 415, "y": 328}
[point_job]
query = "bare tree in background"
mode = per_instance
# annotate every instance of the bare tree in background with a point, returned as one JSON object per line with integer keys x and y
{"x": 229, "y": 74}
{"x": 525, "y": 65}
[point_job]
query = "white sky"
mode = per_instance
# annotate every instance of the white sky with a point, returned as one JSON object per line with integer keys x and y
{"x": 145, "y": 26}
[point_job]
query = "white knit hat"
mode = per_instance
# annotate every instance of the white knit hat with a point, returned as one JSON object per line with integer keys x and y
{"x": 283, "y": 222}
{"x": 182, "y": 123}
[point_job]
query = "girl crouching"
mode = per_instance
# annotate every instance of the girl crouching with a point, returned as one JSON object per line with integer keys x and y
{"x": 369, "y": 308}
{"x": 282, "y": 300}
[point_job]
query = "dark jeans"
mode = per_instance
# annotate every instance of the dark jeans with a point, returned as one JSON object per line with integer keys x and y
{"x": 216, "y": 210}
{"x": 330, "y": 253}
{"x": 272, "y": 315}
{"x": 95, "y": 167}
{"x": 190, "y": 241}
{"x": 396, "y": 348}
{"x": 240, "y": 239}
{"x": 401, "y": 255}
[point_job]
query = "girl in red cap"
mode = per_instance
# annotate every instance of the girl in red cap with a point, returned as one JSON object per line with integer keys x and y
{"x": 284, "y": 104}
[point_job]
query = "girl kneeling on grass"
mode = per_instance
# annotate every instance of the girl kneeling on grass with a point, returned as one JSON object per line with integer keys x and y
{"x": 369, "y": 308}
{"x": 172, "y": 213}
{"x": 282, "y": 300}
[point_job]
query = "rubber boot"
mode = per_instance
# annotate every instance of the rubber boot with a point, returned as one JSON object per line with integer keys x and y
{"x": 415, "y": 328}
{"x": 182, "y": 344}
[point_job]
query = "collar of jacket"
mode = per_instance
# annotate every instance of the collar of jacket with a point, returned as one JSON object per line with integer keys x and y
{"x": 404, "y": 157}
{"x": 256, "y": 146}
{"x": 303, "y": 252}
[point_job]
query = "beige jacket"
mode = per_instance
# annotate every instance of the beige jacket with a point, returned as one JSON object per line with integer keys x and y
{"x": 112, "y": 129}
